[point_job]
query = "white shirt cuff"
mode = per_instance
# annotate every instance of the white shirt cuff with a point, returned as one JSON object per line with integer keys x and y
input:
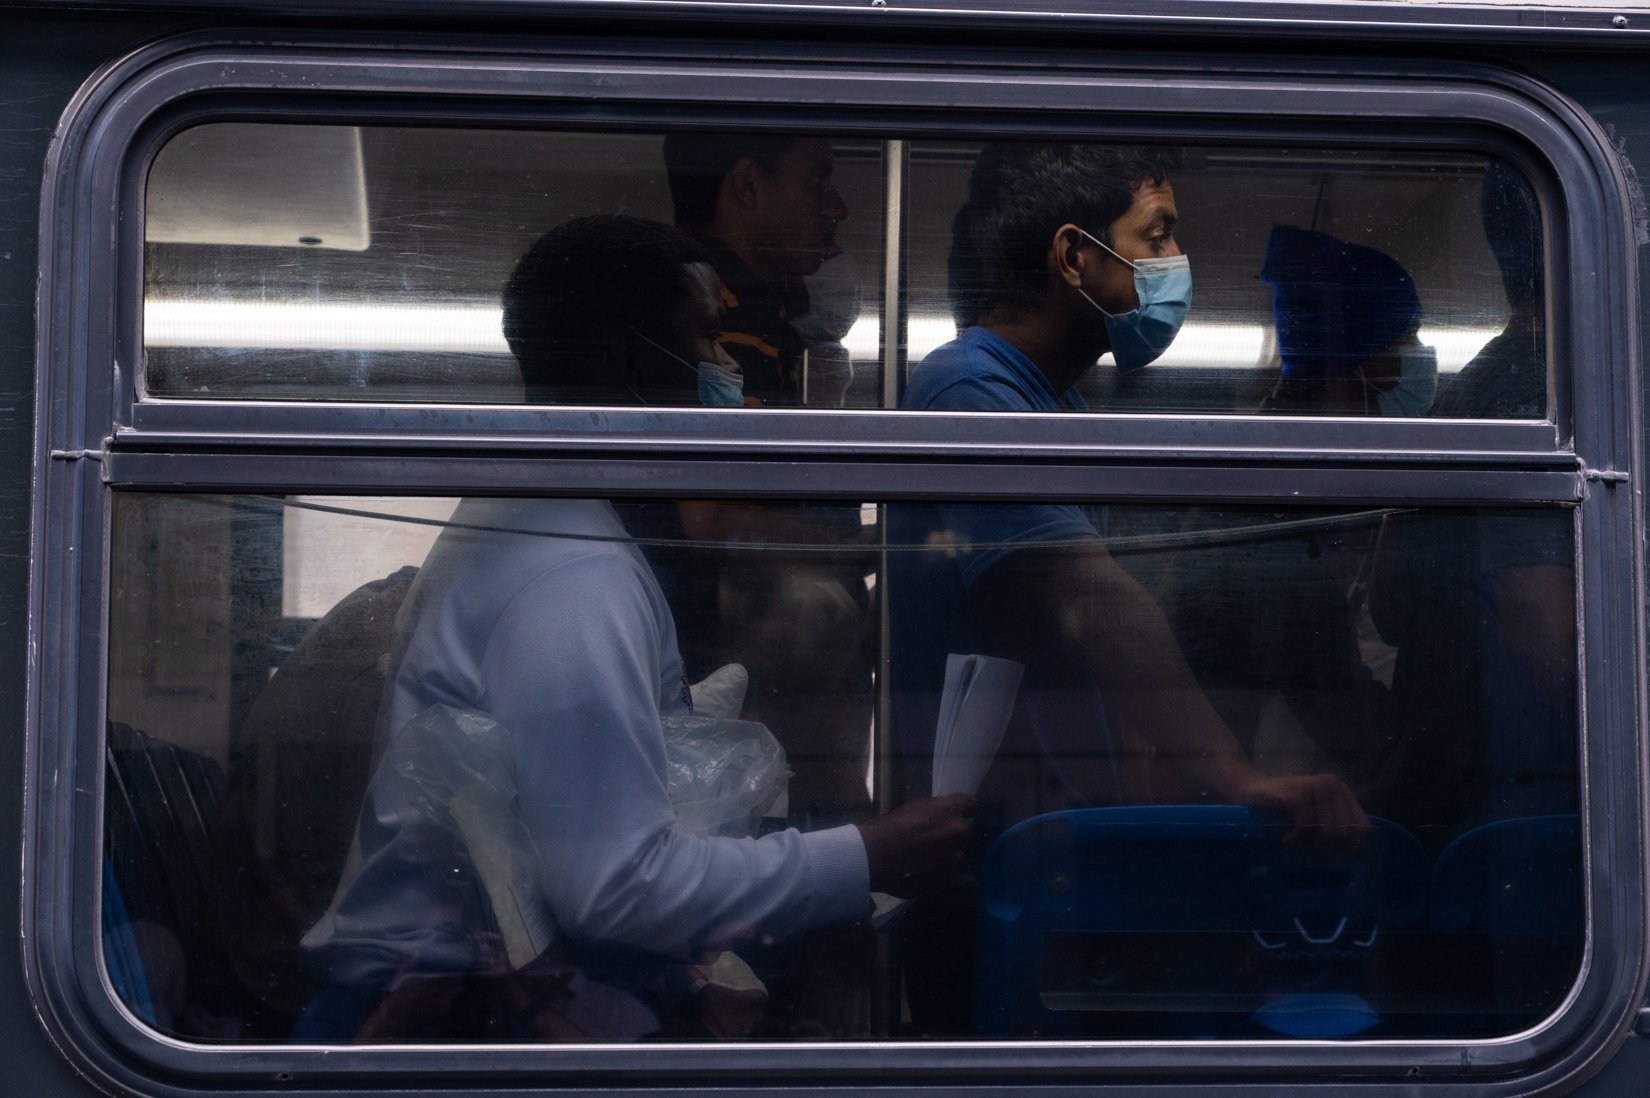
{"x": 841, "y": 874}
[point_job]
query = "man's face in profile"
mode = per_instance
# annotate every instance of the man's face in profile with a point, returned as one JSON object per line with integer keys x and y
{"x": 1145, "y": 231}
{"x": 700, "y": 317}
{"x": 684, "y": 337}
{"x": 798, "y": 210}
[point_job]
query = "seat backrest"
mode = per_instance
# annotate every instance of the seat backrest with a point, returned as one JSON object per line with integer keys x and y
{"x": 1507, "y": 914}
{"x": 160, "y": 929}
{"x": 234, "y": 871}
{"x": 312, "y": 728}
{"x": 292, "y": 811}
{"x": 1092, "y": 916}
{"x": 1512, "y": 876}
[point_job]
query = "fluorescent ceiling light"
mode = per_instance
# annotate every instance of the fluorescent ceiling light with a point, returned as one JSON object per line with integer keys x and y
{"x": 317, "y": 326}
{"x": 475, "y": 328}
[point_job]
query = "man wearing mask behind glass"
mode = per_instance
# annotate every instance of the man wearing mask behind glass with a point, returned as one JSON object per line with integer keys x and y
{"x": 765, "y": 210}
{"x": 1061, "y": 254}
{"x": 1348, "y": 320}
{"x": 543, "y": 616}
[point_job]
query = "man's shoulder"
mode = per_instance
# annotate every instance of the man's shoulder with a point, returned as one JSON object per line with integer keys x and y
{"x": 492, "y": 547}
{"x": 974, "y": 372}
{"x": 756, "y": 326}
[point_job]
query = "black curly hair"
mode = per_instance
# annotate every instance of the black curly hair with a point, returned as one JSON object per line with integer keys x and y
{"x": 579, "y": 293}
{"x": 1019, "y": 194}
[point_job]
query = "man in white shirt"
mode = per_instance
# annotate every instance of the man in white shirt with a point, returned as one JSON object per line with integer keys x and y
{"x": 544, "y": 615}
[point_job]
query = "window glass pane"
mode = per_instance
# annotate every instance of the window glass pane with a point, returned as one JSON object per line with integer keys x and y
{"x": 483, "y": 770}
{"x": 344, "y": 263}
{"x": 314, "y": 262}
{"x": 1325, "y": 282}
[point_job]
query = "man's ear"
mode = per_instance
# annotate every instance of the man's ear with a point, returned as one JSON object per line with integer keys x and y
{"x": 743, "y": 183}
{"x": 1065, "y": 255}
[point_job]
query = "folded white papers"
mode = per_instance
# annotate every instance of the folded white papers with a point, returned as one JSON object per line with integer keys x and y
{"x": 974, "y": 711}
{"x": 886, "y": 909}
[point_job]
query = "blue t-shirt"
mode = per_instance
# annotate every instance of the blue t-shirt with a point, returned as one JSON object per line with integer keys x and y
{"x": 980, "y": 371}
{"x": 1058, "y": 751}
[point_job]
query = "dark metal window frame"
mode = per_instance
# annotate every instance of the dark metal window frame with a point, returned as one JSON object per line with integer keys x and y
{"x": 98, "y": 434}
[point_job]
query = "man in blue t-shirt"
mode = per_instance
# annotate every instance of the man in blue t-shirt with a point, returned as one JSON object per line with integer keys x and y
{"x": 1062, "y": 254}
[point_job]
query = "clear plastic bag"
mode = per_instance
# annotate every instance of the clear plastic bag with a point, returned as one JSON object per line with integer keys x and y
{"x": 462, "y": 764}
{"x": 724, "y": 774}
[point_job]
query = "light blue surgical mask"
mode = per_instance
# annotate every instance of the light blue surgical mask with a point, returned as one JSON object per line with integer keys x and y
{"x": 719, "y": 387}
{"x": 1164, "y": 286}
{"x": 1417, "y": 384}
{"x": 834, "y": 301}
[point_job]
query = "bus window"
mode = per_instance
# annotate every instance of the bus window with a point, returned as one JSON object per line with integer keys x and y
{"x": 578, "y": 770}
{"x": 291, "y": 262}
{"x": 774, "y": 569}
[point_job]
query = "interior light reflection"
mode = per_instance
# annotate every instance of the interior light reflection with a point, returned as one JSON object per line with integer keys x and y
{"x": 474, "y": 328}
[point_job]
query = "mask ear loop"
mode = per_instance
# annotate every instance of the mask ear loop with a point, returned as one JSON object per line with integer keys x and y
{"x": 1114, "y": 255}
{"x": 688, "y": 366}
{"x": 630, "y": 385}
{"x": 656, "y": 345}
{"x": 1131, "y": 266}
{"x": 1101, "y": 308}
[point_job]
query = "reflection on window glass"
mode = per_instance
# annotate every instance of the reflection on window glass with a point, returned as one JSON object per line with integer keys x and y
{"x": 378, "y": 263}
{"x": 1340, "y": 283}
{"x": 556, "y": 770}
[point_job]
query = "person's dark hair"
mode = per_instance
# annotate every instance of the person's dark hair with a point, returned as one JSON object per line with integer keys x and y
{"x": 1018, "y": 195}
{"x": 582, "y": 289}
{"x": 1512, "y": 226}
{"x": 696, "y": 164}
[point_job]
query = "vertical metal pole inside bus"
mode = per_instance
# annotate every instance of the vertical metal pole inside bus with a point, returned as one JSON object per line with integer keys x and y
{"x": 886, "y": 1002}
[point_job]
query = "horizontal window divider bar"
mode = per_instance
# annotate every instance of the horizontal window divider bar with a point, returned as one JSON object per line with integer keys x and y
{"x": 1281, "y": 482}
{"x": 833, "y": 433}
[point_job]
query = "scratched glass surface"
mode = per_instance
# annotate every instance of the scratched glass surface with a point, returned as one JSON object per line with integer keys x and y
{"x": 298, "y": 262}
{"x": 562, "y": 771}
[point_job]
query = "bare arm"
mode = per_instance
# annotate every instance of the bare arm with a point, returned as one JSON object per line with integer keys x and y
{"x": 1089, "y": 602}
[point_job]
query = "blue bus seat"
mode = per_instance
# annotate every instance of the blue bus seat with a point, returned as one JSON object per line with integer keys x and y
{"x": 159, "y": 929}
{"x": 1511, "y": 888}
{"x": 1517, "y": 876}
{"x": 122, "y": 953}
{"x": 1190, "y": 920}
{"x": 290, "y": 813}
